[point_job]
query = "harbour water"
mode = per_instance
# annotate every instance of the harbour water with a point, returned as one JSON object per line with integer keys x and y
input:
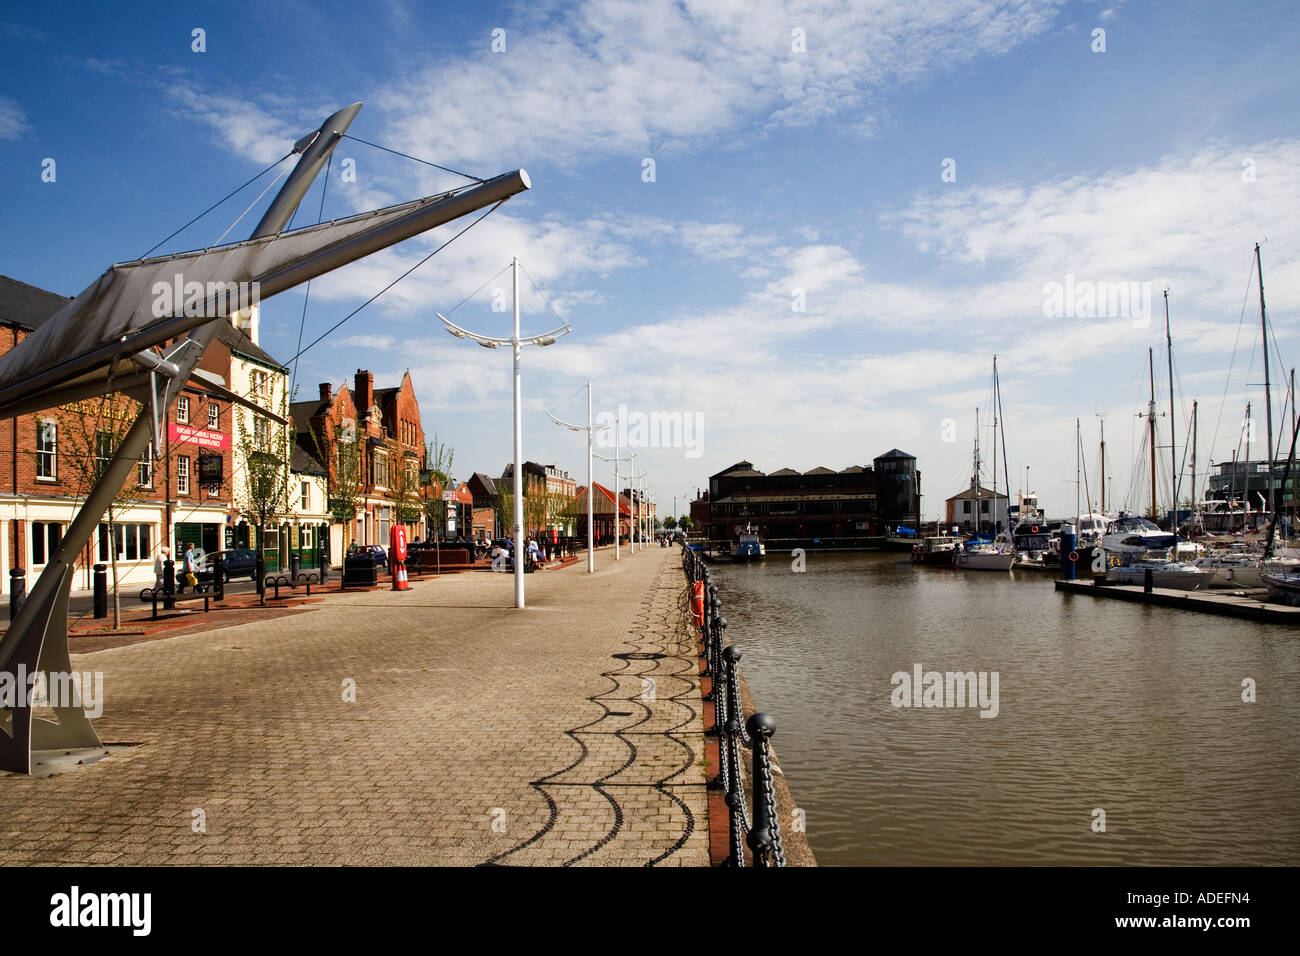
{"x": 1133, "y": 710}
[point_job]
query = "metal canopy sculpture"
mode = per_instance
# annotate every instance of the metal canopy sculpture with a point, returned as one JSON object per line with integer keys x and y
{"x": 114, "y": 338}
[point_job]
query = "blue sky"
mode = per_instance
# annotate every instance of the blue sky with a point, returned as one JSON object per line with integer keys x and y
{"x": 776, "y": 170}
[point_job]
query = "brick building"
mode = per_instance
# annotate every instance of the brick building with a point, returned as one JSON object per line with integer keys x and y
{"x": 814, "y": 507}
{"x": 382, "y": 428}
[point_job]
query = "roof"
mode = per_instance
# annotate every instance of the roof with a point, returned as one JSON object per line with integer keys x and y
{"x": 853, "y": 470}
{"x": 743, "y": 469}
{"x": 485, "y": 482}
{"x": 303, "y": 458}
{"x": 819, "y": 471}
{"x": 895, "y": 453}
{"x": 303, "y": 412}
{"x": 783, "y": 471}
{"x": 983, "y": 493}
{"x": 27, "y": 306}
{"x": 238, "y": 341}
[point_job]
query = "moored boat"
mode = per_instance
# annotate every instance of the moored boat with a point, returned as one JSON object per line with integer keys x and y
{"x": 1164, "y": 574}
{"x": 936, "y": 551}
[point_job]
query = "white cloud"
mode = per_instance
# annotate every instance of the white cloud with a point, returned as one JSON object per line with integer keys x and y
{"x": 615, "y": 77}
{"x": 13, "y": 121}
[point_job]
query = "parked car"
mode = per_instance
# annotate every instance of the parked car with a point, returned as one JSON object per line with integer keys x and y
{"x": 375, "y": 551}
{"x": 237, "y": 563}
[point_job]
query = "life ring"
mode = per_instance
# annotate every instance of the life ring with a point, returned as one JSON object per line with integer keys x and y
{"x": 1034, "y": 530}
{"x": 1073, "y": 556}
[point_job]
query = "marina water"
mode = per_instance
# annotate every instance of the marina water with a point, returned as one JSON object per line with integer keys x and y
{"x": 1133, "y": 710}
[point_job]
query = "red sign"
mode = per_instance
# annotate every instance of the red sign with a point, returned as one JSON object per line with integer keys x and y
{"x": 203, "y": 437}
{"x": 397, "y": 542}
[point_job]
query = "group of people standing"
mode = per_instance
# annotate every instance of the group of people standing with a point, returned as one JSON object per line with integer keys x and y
{"x": 186, "y": 574}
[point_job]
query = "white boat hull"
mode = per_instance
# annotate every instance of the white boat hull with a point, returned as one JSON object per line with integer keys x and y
{"x": 985, "y": 560}
{"x": 1176, "y": 578}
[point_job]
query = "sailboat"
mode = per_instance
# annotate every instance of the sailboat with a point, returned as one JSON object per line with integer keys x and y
{"x": 979, "y": 555}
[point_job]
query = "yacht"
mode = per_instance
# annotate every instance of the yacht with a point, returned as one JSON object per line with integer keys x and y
{"x": 936, "y": 551}
{"x": 1130, "y": 534}
{"x": 986, "y": 556}
{"x": 1164, "y": 574}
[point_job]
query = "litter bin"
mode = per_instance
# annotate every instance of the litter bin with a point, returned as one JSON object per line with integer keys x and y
{"x": 360, "y": 570}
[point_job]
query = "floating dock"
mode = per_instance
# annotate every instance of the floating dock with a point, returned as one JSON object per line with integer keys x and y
{"x": 1246, "y": 603}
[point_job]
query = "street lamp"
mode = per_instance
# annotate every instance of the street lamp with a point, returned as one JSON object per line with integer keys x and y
{"x": 616, "y": 459}
{"x": 589, "y": 428}
{"x": 516, "y": 343}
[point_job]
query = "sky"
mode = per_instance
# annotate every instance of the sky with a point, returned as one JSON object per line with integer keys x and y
{"x": 802, "y": 229}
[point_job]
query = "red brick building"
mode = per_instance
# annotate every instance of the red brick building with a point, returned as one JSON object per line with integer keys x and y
{"x": 385, "y": 427}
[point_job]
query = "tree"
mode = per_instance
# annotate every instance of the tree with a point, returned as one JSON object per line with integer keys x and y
{"x": 404, "y": 485}
{"x": 264, "y": 496}
{"x": 438, "y": 460}
{"x": 685, "y": 523}
{"x": 340, "y": 450}
{"x": 90, "y": 432}
{"x": 670, "y": 523}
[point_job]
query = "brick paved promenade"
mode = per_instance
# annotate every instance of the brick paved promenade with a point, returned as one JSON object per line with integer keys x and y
{"x": 574, "y": 726}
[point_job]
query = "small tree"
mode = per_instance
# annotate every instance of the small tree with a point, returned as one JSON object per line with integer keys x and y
{"x": 404, "y": 485}
{"x": 505, "y": 507}
{"x": 438, "y": 461}
{"x": 345, "y": 474}
{"x": 90, "y": 433}
{"x": 670, "y": 523}
{"x": 264, "y": 496}
{"x": 685, "y": 523}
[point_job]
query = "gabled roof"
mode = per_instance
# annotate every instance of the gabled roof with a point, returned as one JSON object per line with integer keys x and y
{"x": 485, "y": 482}
{"x": 238, "y": 341}
{"x": 27, "y": 306}
{"x": 984, "y": 493}
{"x": 819, "y": 471}
{"x": 304, "y": 459}
{"x": 744, "y": 469}
{"x": 895, "y": 453}
{"x": 783, "y": 471}
{"x": 852, "y": 470}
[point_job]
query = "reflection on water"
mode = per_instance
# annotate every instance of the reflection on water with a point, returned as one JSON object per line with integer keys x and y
{"x": 1103, "y": 704}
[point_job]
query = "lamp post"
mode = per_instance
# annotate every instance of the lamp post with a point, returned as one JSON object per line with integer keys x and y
{"x": 589, "y": 428}
{"x": 516, "y": 343}
{"x": 616, "y": 459}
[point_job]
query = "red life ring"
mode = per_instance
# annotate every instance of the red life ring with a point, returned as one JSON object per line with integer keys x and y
{"x": 1073, "y": 556}
{"x": 1034, "y": 529}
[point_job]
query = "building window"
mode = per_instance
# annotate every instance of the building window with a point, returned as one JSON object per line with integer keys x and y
{"x": 984, "y": 507}
{"x": 257, "y": 383}
{"x": 103, "y": 450}
{"x": 385, "y": 518}
{"x": 214, "y": 415}
{"x": 183, "y": 475}
{"x": 144, "y": 470}
{"x": 381, "y": 469}
{"x": 47, "y": 444}
{"x": 131, "y": 542}
{"x": 183, "y": 410}
{"x": 305, "y": 500}
{"x": 261, "y": 433}
{"x": 965, "y": 507}
{"x": 46, "y": 536}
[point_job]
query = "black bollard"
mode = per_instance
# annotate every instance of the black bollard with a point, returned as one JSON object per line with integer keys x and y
{"x": 169, "y": 584}
{"x": 765, "y": 834}
{"x": 261, "y": 573}
{"x": 295, "y": 568}
{"x": 100, "y": 601}
{"x": 17, "y": 591}
{"x": 1147, "y": 579}
{"x": 153, "y": 597}
{"x": 219, "y": 577}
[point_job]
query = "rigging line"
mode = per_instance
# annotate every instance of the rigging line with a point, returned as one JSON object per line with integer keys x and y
{"x": 277, "y": 178}
{"x": 1227, "y": 382}
{"x": 219, "y": 202}
{"x": 581, "y": 388}
{"x": 439, "y": 249}
{"x": 416, "y": 158}
{"x": 302, "y": 322}
{"x": 543, "y": 295}
{"x": 478, "y": 290}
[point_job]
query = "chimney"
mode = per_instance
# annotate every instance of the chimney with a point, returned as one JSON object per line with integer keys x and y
{"x": 364, "y": 395}
{"x": 325, "y": 391}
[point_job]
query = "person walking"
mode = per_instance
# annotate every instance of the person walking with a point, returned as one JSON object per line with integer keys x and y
{"x": 160, "y": 568}
{"x": 189, "y": 569}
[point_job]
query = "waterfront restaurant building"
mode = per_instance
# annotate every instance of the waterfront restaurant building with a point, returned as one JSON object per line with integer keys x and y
{"x": 815, "y": 508}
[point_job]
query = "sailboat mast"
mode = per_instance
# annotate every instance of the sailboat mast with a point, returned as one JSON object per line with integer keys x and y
{"x": 1173, "y": 451}
{"x": 995, "y": 445}
{"x": 1151, "y": 426}
{"x": 1078, "y": 469}
{"x": 1268, "y": 394}
{"x": 1103, "y": 464}
{"x": 1195, "y": 497}
{"x": 975, "y": 477}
